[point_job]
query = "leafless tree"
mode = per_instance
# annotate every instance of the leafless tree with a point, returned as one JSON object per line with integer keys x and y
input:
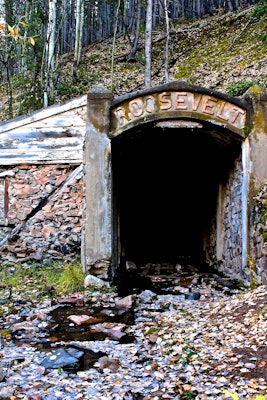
{"x": 148, "y": 43}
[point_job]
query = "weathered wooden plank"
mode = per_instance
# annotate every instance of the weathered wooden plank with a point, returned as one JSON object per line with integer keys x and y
{"x": 71, "y": 118}
{"x": 34, "y": 135}
{"x": 47, "y": 150}
{"x": 2, "y": 200}
{"x": 23, "y": 148}
{"x": 17, "y": 144}
{"x": 68, "y": 155}
{"x": 51, "y": 135}
{"x": 43, "y": 114}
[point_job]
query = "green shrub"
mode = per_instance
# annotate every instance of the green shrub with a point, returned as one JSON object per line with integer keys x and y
{"x": 239, "y": 88}
{"x": 260, "y": 9}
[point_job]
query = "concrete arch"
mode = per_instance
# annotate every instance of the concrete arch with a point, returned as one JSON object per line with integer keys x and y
{"x": 186, "y": 114}
{"x": 178, "y": 100}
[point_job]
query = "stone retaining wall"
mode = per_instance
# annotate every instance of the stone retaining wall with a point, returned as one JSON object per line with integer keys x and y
{"x": 257, "y": 263}
{"x": 227, "y": 225}
{"x": 233, "y": 222}
{"x": 44, "y": 217}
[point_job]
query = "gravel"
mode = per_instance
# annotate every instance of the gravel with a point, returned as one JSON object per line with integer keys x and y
{"x": 208, "y": 348}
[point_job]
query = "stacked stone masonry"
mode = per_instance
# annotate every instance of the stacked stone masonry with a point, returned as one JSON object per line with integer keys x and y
{"x": 257, "y": 264}
{"x": 44, "y": 219}
{"x": 233, "y": 222}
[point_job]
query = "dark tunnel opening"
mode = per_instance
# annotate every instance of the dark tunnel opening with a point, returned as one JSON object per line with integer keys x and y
{"x": 165, "y": 185}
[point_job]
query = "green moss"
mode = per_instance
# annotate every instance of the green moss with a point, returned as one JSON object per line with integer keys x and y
{"x": 240, "y": 87}
{"x": 256, "y": 90}
{"x": 152, "y": 330}
{"x": 263, "y": 215}
{"x": 247, "y": 130}
{"x": 264, "y": 237}
{"x": 5, "y": 333}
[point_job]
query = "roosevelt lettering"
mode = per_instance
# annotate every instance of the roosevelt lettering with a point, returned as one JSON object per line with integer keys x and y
{"x": 236, "y": 114}
{"x": 181, "y": 102}
{"x": 165, "y": 101}
{"x": 120, "y": 115}
{"x": 150, "y": 105}
{"x": 208, "y": 107}
{"x": 136, "y": 107}
{"x": 195, "y": 101}
{"x": 220, "y": 112}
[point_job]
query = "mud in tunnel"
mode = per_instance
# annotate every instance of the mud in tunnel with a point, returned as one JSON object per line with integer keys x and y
{"x": 165, "y": 187}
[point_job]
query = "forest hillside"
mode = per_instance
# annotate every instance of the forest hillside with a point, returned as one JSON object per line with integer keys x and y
{"x": 225, "y": 52}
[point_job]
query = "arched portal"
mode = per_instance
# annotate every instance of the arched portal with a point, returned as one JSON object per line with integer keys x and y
{"x": 164, "y": 175}
{"x": 166, "y": 184}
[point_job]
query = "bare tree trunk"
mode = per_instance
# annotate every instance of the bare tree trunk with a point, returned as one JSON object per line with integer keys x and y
{"x": 113, "y": 46}
{"x": 65, "y": 47}
{"x": 167, "y": 42}
{"x": 132, "y": 55}
{"x": 198, "y": 8}
{"x": 148, "y": 43}
{"x": 50, "y": 53}
{"x": 79, "y": 31}
{"x": 5, "y": 52}
{"x": 230, "y": 6}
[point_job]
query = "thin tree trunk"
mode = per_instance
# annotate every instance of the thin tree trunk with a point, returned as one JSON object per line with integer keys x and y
{"x": 132, "y": 55}
{"x": 167, "y": 42}
{"x": 148, "y": 43}
{"x": 5, "y": 52}
{"x": 65, "y": 47}
{"x": 113, "y": 46}
{"x": 79, "y": 31}
{"x": 50, "y": 53}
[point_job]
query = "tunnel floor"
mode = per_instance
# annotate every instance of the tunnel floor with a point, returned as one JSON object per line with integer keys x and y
{"x": 170, "y": 278}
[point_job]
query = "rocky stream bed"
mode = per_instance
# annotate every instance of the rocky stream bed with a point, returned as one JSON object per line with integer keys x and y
{"x": 201, "y": 338}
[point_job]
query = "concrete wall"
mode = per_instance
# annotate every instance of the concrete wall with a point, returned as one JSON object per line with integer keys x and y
{"x": 257, "y": 261}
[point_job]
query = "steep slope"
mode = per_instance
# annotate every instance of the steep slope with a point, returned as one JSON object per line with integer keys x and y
{"x": 222, "y": 52}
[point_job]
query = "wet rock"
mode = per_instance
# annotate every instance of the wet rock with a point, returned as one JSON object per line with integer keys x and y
{"x": 95, "y": 282}
{"x": 76, "y": 300}
{"x": 112, "y": 364}
{"x": 192, "y": 296}
{"x": 146, "y": 296}
{"x": 125, "y": 302}
{"x": 22, "y": 327}
{"x": 83, "y": 319}
{"x": 112, "y": 330}
{"x": 63, "y": 358}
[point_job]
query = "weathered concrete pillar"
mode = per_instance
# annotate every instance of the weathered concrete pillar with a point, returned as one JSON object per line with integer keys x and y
{"x": 97, "y": 247}
{"x": 257, "y": 175}
{"x": 258, "y": 135}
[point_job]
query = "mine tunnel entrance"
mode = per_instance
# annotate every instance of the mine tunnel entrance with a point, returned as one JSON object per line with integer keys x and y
{"x": 166, "y": 181}
{"x": 165, "y": 189}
